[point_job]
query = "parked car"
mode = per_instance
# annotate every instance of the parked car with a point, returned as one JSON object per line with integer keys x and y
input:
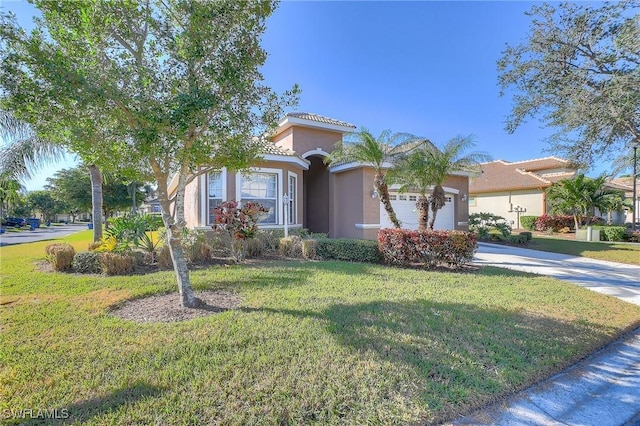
{"x": 14, "y": 221}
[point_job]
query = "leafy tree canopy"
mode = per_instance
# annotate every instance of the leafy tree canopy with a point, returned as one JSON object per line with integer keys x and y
{"x": 169, "y": 88}
{"x": 579, "y": 72}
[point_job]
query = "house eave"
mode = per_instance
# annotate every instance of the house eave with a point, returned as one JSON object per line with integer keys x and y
{"x": 295, "y": 121}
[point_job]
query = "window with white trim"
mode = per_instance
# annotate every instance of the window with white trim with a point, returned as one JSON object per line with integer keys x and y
{"x": 261, "y": 187}
{"x": 215, "y": 187}
{"x": 293, "y": 185}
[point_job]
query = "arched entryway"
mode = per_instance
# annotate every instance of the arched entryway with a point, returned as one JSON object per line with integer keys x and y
{"x": 316, "y": 196}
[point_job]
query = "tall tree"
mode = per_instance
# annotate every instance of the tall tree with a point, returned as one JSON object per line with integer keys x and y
{"x": 175, "y": 87}
{"x": 427, "y": 167}
{"x": 26, "y": 152}
{"x": 364, "y": 148}
{"x": 9, "y": 193}
{"x": 581, "y": 195}
{"x": 579, "y": 72}
{"x": 44, "y": 202}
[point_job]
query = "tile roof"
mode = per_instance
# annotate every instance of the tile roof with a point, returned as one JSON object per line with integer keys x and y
{"x": 502, "y": 175}
{"x": 320, "y": 119}
{"x": 267, "y": 147}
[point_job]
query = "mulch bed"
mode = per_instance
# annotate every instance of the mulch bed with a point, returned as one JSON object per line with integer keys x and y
{"x": 166, "y": 307}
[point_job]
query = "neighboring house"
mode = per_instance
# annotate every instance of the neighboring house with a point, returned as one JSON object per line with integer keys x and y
{"x": 339, "y": 200}
{"x": 514, "y": 189}
{"x": 626, "y": 184}
{"x": 150, "y": 206}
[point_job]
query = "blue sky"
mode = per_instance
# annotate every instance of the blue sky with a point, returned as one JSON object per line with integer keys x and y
{"x": 427, "y": 68}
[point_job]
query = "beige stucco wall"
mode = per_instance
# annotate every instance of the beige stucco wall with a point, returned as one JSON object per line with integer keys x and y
{"x": 196, "y": 193}
{"x": 304, "y": 139}
{"x": 500, "y": 203}
{"x": 461, "y": 208}
{"x": 347, "y": 207}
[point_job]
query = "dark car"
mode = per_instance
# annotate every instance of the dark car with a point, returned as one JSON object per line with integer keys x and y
{"x": 14, "y": 221}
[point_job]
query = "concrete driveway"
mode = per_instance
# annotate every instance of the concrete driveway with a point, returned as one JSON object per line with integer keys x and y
{"x": 615, "y": 279}
{"x": 603, "y": 389}
{"x": 41, "y": 234}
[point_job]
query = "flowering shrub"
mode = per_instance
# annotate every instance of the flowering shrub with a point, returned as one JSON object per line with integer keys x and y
{"x": 554, "y": 222}
{"x": 405, "y": 247}
{"x": 236, "y": 225}
{"x": 241, "y": 222}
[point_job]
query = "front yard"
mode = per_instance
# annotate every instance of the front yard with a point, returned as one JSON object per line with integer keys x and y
{"x": 601, "y": 250}
{"x": 312, "y": 342}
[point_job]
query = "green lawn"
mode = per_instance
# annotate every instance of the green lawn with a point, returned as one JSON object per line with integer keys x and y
{"x": 314, "y": 342}
{"x": 614, "y": 252}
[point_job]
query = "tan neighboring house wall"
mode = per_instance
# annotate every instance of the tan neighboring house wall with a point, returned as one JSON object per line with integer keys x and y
{"x": 505, "y": 187}
{"x": 504, "y": 203}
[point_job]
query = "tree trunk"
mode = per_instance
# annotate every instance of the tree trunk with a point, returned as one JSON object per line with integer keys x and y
{"x": 96, "y": 201}
{"x": 422, "y": 205}
{"x": 438, "y": 200}
{"x": 174, "y": 229}
{"x": 383, "y": 192}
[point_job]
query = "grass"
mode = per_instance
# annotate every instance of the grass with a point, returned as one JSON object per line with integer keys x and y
{"x": 614, "y": 252}
{"x": 314, "y": 342}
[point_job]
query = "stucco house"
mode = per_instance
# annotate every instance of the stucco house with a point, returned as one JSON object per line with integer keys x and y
{"x": 512, "y": 189}
{"x": 339, "y": 200}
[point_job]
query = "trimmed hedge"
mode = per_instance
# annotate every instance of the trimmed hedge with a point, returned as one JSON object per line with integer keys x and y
{"x": 348, "y": 249}
{"x": 529, "y": 222}
{"x": 87, "y": 262}
{"x": 404, "y": 247}
{"x": 612, "y": 233}
{"x": 60, "y": 256}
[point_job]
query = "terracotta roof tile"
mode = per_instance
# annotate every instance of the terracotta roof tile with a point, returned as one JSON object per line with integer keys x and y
{"x": 502, "y": 175}
{"x": 320, "y": 119}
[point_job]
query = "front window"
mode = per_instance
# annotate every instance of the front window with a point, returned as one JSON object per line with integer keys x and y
{"x": 261, "y": 188}
{"x": 215, "y": 185}
{"x": 292, "y": 198}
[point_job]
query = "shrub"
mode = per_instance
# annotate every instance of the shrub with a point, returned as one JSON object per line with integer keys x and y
{"x": 614, "y": 233}
{"x": 634, "y": 236}
{"x": 554, "y": 222}
{"x": 528, "y": 222}
{"x": 86, "y": 262}
{"x": 527, "y": 235}
{"x": 164, "y": 258}
{"x": 129, "y": 229}
{"x": 94, "y": 245}
{"x": 309, "y": 249}
{"x": 253, "y": 247}
{"x": 116, "y": 263}
{"x": 518, "y": 239}
{"x": 404, "y": 247}
{"x": 60, "y": 256}
{"x": 348, "y": 249}
{"x": 482, "y": 224}
{"x": 290, "y": 246}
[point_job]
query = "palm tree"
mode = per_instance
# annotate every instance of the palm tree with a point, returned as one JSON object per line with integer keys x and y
{"x": 412, "y": 171}
{"x": 378, "y": 153}
{"x": 427, "y": 166}
{"x": 28, "y": 152}
{"x": 581, "y": 195}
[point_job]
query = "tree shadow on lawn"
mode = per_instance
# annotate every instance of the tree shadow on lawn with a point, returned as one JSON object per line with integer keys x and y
{"x": 85, "y": 410}
{"x": 466, "y": 356}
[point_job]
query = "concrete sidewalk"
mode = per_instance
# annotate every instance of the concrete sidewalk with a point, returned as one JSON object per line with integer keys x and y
{"x": 602, "y": 390}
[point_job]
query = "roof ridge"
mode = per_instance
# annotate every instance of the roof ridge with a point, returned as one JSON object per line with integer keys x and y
{"x": 533, "y": 175}
{"x": 552, "y": 157}
{"x": 319, "y": 118}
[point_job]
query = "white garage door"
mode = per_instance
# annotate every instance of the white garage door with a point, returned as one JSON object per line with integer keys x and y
{"x": 405, "y": 207}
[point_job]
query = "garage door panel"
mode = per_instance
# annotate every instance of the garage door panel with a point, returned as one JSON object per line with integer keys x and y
{"x": 404, "y": 206}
